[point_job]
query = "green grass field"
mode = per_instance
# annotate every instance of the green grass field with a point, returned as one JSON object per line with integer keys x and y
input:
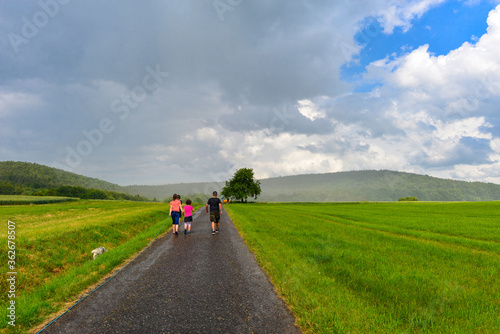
{"x": 381, "y": 267}
{"x": 52, "y": 250}
{"x": 26, "y": 200}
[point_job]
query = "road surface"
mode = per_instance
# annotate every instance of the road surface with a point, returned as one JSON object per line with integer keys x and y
{"x": 200, "y": 283}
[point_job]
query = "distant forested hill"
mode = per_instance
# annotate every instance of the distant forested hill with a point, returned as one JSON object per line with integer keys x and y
{"x": 33, "y": 179}
{"x": 346, "y": 186}
{"x": 39, "y": 176}
{"x": 374, "y": 186}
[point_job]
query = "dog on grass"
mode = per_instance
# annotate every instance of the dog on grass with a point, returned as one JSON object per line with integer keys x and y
{"x": 98, "y": 251}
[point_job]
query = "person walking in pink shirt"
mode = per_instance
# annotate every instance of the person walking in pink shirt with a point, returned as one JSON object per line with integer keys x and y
{"x": 175, "y": 213}
{"x": 188, "y": 217}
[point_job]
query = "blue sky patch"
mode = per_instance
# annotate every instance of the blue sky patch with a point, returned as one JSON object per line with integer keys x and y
{"x": 443, "y": 28}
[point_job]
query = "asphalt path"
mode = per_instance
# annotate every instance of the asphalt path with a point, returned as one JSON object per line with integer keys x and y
{"x": 199, "y": 283}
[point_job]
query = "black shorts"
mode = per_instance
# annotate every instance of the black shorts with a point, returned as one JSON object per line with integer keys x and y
{"x": 188, "y": 219}
{"x": 214, "y": 216}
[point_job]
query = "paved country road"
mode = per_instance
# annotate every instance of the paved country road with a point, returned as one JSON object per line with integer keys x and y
{"x": 200, "y": 283}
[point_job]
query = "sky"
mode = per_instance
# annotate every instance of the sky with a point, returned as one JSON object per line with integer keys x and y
{"x": 161, "y": 92}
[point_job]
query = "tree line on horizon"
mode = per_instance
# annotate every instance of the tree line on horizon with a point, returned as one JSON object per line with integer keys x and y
{"x": 7, "y": 188}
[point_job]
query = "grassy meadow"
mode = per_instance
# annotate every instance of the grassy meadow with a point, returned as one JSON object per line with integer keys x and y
{"x": 52, "y": 250}
{"x": 381, "y": 267}
{"x": 27, "y": 200}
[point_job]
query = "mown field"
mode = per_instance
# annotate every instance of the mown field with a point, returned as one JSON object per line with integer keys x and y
{"x": 27, "y": 200}
{"x": 381, "y": 267}
{"x": 53, "y": 244}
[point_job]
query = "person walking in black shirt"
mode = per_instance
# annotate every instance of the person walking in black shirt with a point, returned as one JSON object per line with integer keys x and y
{"x": 215, "y": 211}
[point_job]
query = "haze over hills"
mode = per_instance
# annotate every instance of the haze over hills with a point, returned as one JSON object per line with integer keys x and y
{"x": 369, "y": 185}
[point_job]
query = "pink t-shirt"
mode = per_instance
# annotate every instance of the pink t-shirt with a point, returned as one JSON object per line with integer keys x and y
{"x": 188, "y": 210}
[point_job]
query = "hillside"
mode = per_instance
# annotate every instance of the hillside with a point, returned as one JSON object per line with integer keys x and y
{"x": 374, "y": 186}
{"x": 23, "y": 178}
{"x": 37, "y": 176}
{"x": 346, "y": 186}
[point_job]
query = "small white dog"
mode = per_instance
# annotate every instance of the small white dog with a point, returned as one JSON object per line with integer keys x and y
{"x": 98, "y": 251}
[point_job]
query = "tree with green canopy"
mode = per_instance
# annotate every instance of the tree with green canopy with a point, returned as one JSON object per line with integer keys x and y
{"x": 242, "y": 185}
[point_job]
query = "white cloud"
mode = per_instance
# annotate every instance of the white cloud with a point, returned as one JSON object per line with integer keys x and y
{"x": 207, "y": 135}
{"x": 402, "y": 14}
{"x": 284, "y": 154}
{"x": 310, "y": 110}
{"x": 14, "y": 102}
{"x": 469, "y": 127}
